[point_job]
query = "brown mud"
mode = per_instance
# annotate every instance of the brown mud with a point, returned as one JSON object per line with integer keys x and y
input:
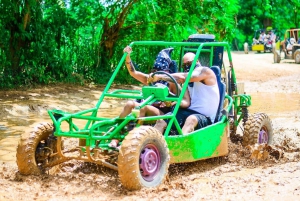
{"x": 275, "y": 90}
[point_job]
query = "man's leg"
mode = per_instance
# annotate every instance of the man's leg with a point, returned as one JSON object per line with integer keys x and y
{"x": 190, "y": 124}
{"x": 160, "y": 125}
{"x": 128, "y": 108}
{"x": 150, "y": 110}
{"x": 181, "y": 115}
{"x": 195, "y": 121}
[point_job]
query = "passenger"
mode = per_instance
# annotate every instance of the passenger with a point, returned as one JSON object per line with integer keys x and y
{"x": 204, "y": 94}
{"x": 290, "y": 44}
{"x": 262, "y": 37}
{"x": 163, "y": 62}
{"x": 272, "y": 36}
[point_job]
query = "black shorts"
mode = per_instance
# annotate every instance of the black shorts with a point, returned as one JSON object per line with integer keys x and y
{"x": 163, "y": 109}
{"x": 183, "y": 114}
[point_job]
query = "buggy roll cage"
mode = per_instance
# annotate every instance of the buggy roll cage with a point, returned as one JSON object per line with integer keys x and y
{"x": 94, "y": 127}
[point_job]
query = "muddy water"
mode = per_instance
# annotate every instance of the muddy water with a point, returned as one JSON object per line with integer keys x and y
{"x": 20, "y": 117}
{"x": 275, "y": 104}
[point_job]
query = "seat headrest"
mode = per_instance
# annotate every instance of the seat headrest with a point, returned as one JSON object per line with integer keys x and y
{"x": 216, "y": 70}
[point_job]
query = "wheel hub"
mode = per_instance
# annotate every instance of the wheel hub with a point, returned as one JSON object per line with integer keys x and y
{"x": 263, "y": 136}
{"x": 149, "y": 162}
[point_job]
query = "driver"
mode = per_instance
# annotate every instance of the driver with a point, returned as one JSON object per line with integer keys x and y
{"x": 272, "y": 36}
{"x": 163, "y": 62}
{"x": 204, "y": 93}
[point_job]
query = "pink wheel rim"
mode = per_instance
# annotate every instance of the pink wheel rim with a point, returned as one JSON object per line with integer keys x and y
{"x": 263, "y": 136}
{"x": 149, "y": 162}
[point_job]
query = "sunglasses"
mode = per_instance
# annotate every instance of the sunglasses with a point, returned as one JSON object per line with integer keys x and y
{"x": 186, "y": 66}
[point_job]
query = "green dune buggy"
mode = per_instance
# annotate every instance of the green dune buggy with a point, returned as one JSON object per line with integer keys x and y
{"x": 145, "y": 154}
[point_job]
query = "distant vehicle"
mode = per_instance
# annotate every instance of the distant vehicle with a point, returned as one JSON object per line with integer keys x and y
{"x": 289, "y": 47}
{"x": 265, "y": 42}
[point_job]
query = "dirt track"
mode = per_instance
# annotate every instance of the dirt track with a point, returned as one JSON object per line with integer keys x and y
{"x": 275, "y": 90}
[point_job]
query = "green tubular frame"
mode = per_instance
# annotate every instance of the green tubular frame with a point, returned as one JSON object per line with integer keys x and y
{"x": 98, "y": 130}
{"x": 240, "y": 101}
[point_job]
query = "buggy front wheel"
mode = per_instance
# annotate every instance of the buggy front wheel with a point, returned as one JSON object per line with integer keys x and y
{"x": 246, "y": 48}
{"x": 143, "y": 159}
{"x": 277, "y": 57}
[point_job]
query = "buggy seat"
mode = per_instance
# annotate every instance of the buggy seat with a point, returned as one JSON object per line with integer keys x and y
{"x": 222, "y": 89}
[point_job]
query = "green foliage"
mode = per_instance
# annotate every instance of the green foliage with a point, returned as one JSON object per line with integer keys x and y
{"x": 254, "y": 15}
{"x": 83, "y": 41}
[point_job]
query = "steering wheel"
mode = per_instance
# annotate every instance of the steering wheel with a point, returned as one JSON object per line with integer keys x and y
{"x": 173, "y": 80}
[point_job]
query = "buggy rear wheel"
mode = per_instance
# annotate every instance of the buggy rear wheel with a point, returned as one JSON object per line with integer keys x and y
{"x": 258, "y": 129}
{"x": 30, "y": 150}
{"x": 297, "y": 56}
{"x": 143, "y": 159}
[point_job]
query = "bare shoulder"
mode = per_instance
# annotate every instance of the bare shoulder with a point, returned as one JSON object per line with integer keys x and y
{"x": 203, "y": 70}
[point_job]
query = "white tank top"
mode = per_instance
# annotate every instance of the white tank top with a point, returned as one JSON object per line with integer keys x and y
{"x": 204, "y": 99}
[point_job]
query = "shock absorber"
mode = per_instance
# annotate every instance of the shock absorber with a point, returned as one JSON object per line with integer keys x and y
{"x": 245, "y": 113}
{"x": 51, "y": 143}
{"x": 42, "y": 152}
{"x": 233, "y": 86}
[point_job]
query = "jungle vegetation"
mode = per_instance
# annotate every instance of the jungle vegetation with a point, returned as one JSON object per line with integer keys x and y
{"x": 76, "y": 41}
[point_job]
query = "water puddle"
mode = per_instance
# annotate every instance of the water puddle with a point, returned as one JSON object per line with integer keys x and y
{"x": 275, "y": 104}
{"x": 21, "y": 115}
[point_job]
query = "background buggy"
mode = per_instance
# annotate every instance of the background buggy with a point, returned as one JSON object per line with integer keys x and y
{"x": 267, "y": 44}
{"x": 289, "y": 47}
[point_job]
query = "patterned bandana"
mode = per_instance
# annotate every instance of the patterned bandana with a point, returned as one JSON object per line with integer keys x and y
{"x": 163, "y": 60}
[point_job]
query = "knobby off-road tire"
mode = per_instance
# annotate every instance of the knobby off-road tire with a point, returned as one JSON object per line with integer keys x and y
{"x": 246, "y": 48}
{"x": 297, "y": 56}
{"x": 258, "y": 129}
{"x": 26, "y": 150}
{"x": 277, "y": 57}
{"x": 143, "y": 159}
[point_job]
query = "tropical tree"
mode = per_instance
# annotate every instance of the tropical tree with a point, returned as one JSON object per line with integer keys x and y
{"x": 74, "y": 40}
{"x": 254, "y": 15}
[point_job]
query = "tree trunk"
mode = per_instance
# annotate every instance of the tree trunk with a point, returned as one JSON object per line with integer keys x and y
{"x": 110, "y": 35}
{"x": 16, "y": 41}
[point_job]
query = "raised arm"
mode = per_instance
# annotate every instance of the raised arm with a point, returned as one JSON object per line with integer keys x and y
{"x": 142, "y": 77}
